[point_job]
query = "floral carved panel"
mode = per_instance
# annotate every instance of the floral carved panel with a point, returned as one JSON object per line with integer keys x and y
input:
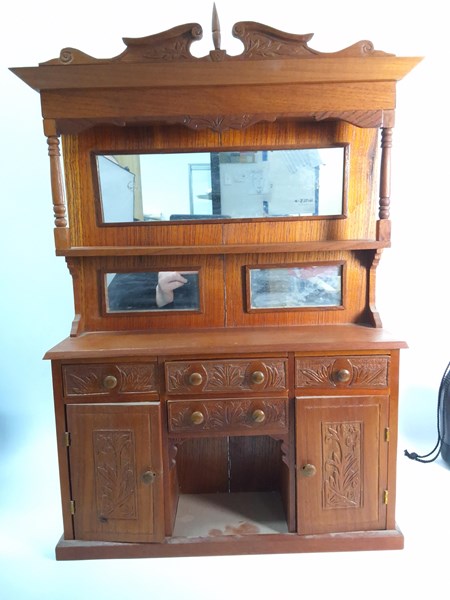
{"x": 342, "y": 465}
{"x": 115, "y": 474}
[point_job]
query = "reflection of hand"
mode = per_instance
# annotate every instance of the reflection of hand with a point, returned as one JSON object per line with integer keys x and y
{"x": 168, "y": 281}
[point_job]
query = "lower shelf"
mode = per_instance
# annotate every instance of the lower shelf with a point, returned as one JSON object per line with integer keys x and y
{"x": 215, "y": 515}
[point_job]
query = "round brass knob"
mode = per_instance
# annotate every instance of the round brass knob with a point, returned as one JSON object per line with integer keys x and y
{"x": 110, "y": 382}
{"x": 343, "y": 375}
{"x": 258, "y": 377}
{"x": 148, "y": 477}
{"x": 308, "y": 470}
{"x": 258, "y": 415}
{"x": 197, "y": 417}
{"x": 195, "y": 379}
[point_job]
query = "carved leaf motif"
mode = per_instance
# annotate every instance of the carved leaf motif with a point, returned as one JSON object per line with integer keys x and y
{"x": 374, "y": 374}
{"x": 275, "y": 375}
{"x": 84, "y": 384}
{"x": 177, "y": 50}
{"x": 137, "y": 378}
{"x": 261, "y": 41}
{"x": 226, "y": 414}
{"x": 222, "y": 123}
{"x": 275, "y": 412}
{"x": 177, "y": 379}
{"x": 226, "y": 376}
{"x": 180, "y": 418}
{"x": 319, "y": 375}
{"x": 342, "y": 465}
{"x": 265, "y": 47}
{"x": 115, "y": 474}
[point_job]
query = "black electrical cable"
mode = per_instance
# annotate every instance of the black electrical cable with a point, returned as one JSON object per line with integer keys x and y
{"x": 444, "y": 393}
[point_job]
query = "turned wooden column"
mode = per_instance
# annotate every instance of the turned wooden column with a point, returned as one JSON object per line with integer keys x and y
{"x": 384, "y": 224}
{"x": 57, "y": 186}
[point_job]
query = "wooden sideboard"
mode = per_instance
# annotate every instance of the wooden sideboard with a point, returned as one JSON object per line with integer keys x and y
{"x": 257, "y": 413}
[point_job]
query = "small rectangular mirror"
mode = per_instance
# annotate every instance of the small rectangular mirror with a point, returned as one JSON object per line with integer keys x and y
{"x": 152, "y": 291}
{"x": 269, "y": 184}
{"x": 295, "y": 286}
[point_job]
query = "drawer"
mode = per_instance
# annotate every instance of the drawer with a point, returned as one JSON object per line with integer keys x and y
{"x": 342, "y": 371}
{"x": 109, "y": 378}
{"x": 226, "y": 376}
{"x": 231, "y": 416}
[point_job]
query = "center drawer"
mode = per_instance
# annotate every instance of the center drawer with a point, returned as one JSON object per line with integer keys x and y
{"x": 228, "y": 416}
{"x": 226, "y": 376}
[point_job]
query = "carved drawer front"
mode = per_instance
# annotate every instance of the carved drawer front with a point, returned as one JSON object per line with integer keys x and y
{"x": 338, "y": 372}
{"x": 225, "y": 376}
{"x": 228, "y": 416}
{"x": 105, "y": 379}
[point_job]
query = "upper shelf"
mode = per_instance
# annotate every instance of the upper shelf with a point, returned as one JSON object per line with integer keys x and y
{"x": 356, "y": 84}
{"x": 314, "y": 246}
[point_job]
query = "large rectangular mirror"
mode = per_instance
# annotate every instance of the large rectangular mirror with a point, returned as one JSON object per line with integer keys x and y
{"x": 221, "y": 185}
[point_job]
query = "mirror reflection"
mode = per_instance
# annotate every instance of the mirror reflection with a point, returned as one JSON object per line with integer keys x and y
{"x": 224, "y": 185}
{"x": 152, "y": 290}
{"x": 307, "y": 286}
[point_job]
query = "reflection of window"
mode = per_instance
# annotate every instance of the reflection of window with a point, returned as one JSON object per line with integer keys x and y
{"x": 137, "y": 291}
{"x": 200, "y": 191}
{"x": 305, "y": 286}
{"x": 117, "y": 190}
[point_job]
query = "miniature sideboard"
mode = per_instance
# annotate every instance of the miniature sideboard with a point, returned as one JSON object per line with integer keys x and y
{"x": 226, "y": 386}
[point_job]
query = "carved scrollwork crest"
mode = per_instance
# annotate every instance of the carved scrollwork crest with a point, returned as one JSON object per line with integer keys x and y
{"x": 260, "y": 42}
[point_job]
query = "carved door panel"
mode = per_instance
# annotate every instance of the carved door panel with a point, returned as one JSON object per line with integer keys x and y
{"x": 341, "y": 463}
{"x": 116, "y": 471}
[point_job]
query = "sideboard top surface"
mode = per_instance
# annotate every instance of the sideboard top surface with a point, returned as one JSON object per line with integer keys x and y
{"x": 225, "y": 341}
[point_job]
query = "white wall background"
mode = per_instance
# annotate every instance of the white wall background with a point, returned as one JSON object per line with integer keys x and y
{"x": 36, "y": 305}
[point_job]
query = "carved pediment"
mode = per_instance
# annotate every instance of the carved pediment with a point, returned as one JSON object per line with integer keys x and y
{"x": 173, "y": 44}
{"x": 261, "y": 42}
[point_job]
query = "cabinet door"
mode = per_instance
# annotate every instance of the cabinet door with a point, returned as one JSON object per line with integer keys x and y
{"x": 116, "y": 471}
{"x": 341, "y": 463}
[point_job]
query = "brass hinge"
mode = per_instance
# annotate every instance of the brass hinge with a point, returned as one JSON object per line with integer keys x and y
{"x": 385, "y": 497}
{"x": 387, "y": 435}
{"x": 72, "y": 507}
{"x": 67, "y": 438}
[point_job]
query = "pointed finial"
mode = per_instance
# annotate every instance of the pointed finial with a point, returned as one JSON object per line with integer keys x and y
{"x": 215, "y": 28}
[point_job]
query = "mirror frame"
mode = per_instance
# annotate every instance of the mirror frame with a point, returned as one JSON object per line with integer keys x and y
{"x": 296, "y": 265}
{"x": 173, "y": 150}
{"x": 103, "y": 296}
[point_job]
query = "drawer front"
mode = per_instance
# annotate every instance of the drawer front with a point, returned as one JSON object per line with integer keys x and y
{"x": 225, "y": 376}
{"x": 107, "y": 379}
{"x": 228, "y": 416}
{"x": 342, "y": 371}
